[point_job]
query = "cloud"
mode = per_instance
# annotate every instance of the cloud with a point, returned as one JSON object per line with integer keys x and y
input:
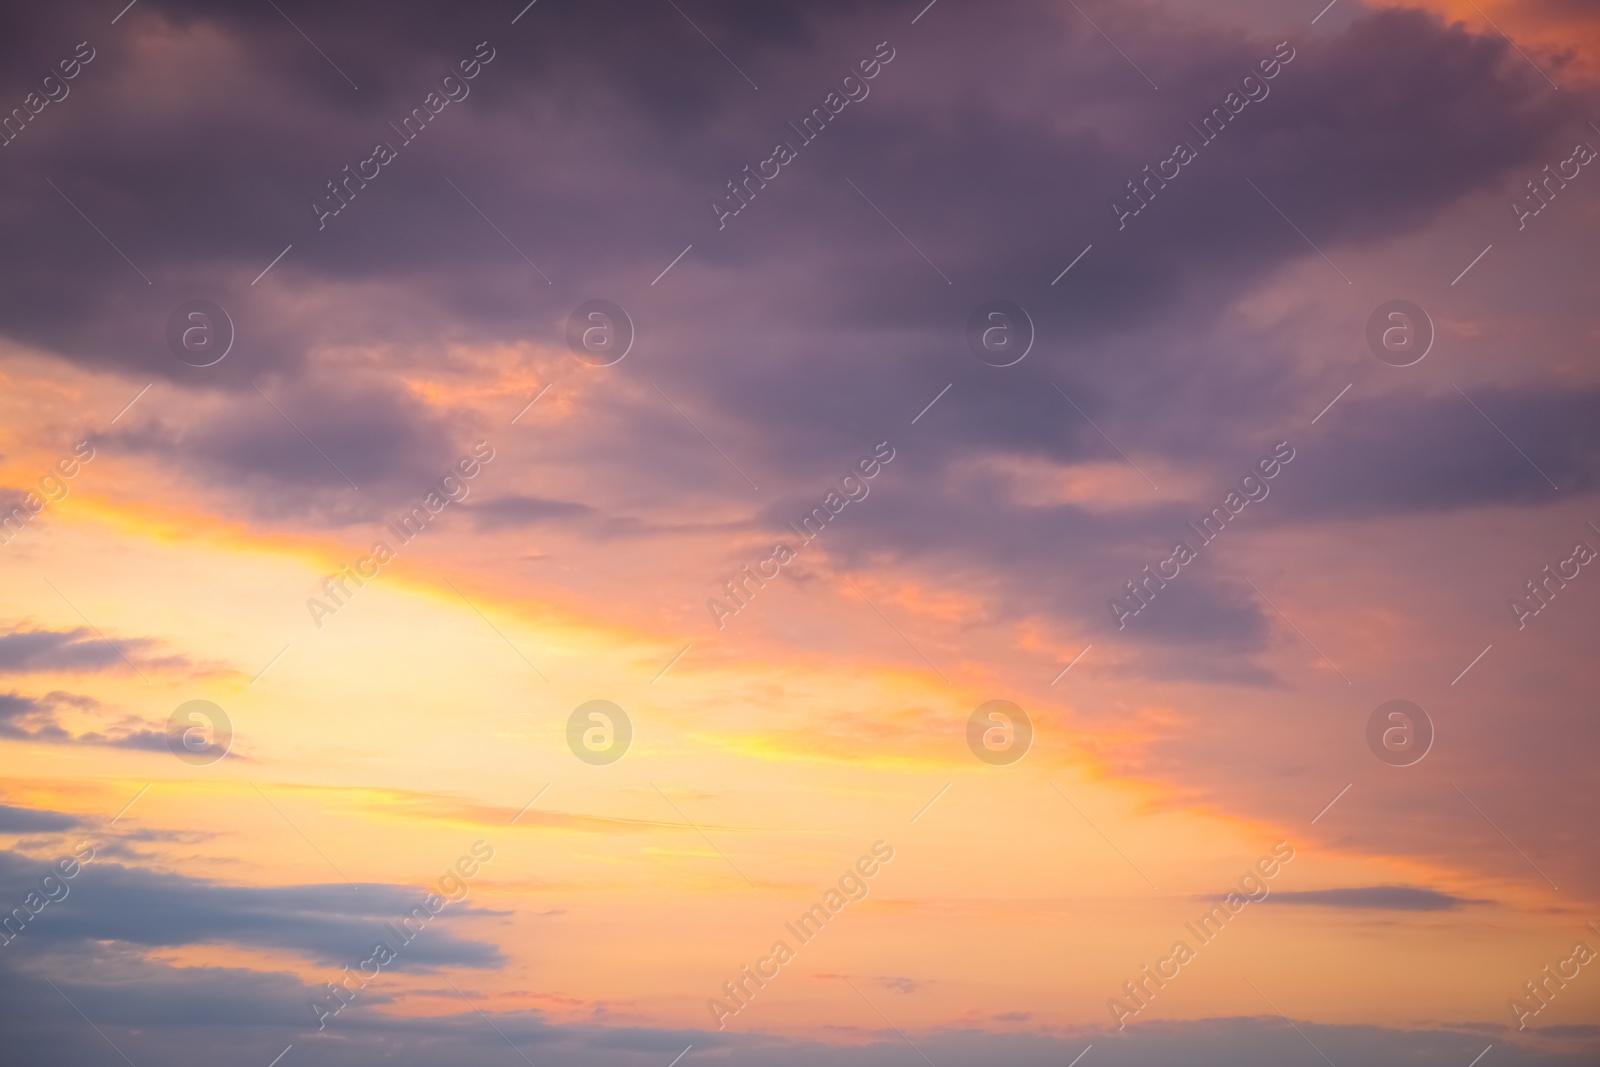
{"x": 27, "y": 719}
{"x": 331, "y": 924}
{"x": 988, "y": 134}
{"x": 287, "y": 450}
{"x": 515, "y": 509}
{"x": 191, "y": 1016}
{"x": 1375, "y": 897}
{"x": 989, "y": 157}
{"x": 76, "y": 652}
{"x": 34, "y": 821}
{"x": 797, "y": 337}
{"x": 1402, "y": 454}
{"x": 35, "y": 719}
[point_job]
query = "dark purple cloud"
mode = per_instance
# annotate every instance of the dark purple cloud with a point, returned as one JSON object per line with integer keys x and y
{"x": 74, "y": 651}
{"x": 595, "y": 151}
{"x": 188, "y": 1016}
{"x": 519, "y": 510}
{"x": 188, "y": 153}
{"x": 332, "y": 924}
{"x": 33, "y": 821}
{"x": 320, "y": 450}
{"x": 37, "y": 719}
{"x": 40, "y": 650}
{"x": 1375, "y": 897}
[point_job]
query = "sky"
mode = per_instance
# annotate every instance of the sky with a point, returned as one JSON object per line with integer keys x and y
{"x": 687, "y": 532}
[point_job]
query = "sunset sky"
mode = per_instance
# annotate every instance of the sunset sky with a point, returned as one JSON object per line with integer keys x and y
{"x": 662, "y": 324}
